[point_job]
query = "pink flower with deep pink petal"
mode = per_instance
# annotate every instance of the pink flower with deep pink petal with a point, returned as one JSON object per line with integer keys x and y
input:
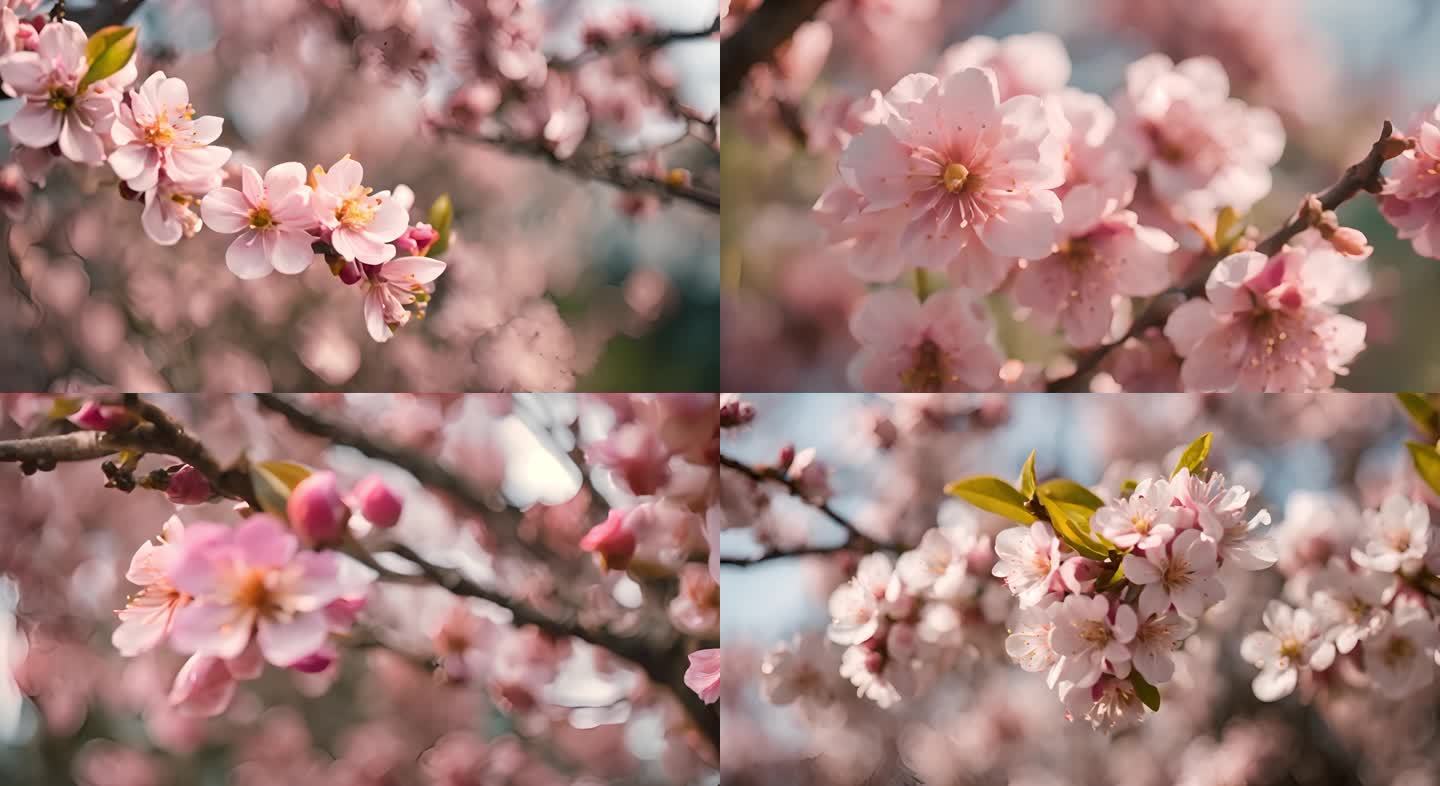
{"x": 158, "y": 132}
{"x": 272, "y": 215}
{"x": 362, "y": 225}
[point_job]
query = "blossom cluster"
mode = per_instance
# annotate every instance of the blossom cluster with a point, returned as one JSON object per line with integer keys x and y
{"x": 78, "y": 104}
{"x": 1362, "y": 601}
{"x": 990, "y": 174}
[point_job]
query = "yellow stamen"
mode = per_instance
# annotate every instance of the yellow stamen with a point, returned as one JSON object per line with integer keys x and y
{"x": 955, "y": 176}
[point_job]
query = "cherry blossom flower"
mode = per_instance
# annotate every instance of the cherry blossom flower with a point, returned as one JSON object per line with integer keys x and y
{"x": 1105, "y": 256}
{"x": 1200, "y": 149}
{"x": 1090, "y": 641}
{"x": 969, "y": 179}
{"x": 866, "y": 670}
{"x": 1091, "y": 157}
{"x": 169, "y": 213}
{"x": 157, "y": 132}
{"x": 1400, "y": 657}
{"x": 1269, "y": 324}
{"x": 1182, "y": 575}
{"x": 56, "y": 109}
{"x": 944, "y": 344}
{"x": 940, "y": 564}
{"x": 611, "y": 540}
{"x": 703, "y": 676}
{"x": 253, "y": 582}
{"x": 1399, "y": 536}
{"x": 395, "y": 291}
{"x": 1351, "y": 603}
{"x": 1156, "y": 639}
{"x": 637, "y": 455}
{"x": 274, "y": 218}
{"x": 206, "y": 684}
{"x": 1293, "y": 640}
{"x": 1146, "y": 519}
{"x": 1030, "y": 64}
{"x": 855, "y": 606}
{"x": 362, "y": 224}
{"x": 1029, "y": 561}
{"x": 1219, "y": 509}
{"x": 1110, "y": 705}
{"x": 1411, "y": 199}
{"x": 1029, "y": 643}
{"x": 149, "y": 614}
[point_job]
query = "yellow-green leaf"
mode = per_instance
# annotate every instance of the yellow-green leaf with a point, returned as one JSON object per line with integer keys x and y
{"x": 1427, "y": 463}
{"x": 992, "y": 494}
{"x": 1194, "y": 456}
{"x": 1148, "y": 694}
{"x": 273, "y": 481}
{"x": 1421, "y": 412}
{"x": 442, "y": 215}
{"x": 1068, "y": 530}
{"x": 1229, "y": 226}
{"x": 63, "y": 407}
{"x": 1071, "y": 493}
{"x": 108, "y": 51}
{"x": 1027, "y": 478}
{"x": 1128, "y": 487}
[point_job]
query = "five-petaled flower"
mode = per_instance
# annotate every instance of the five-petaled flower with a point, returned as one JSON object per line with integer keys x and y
{"x": 272, "y": 215}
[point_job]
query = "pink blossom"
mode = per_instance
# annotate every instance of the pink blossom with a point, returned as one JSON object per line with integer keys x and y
{"x": 169, "y": 208}
{"x": 315, "y": 510}
{"x": 855, "y": 606}
{"x": 1398, "y": 536}
{"x": 204, "y": 687}
{"x": 1411, "y": 200}
{"x": 377, "y": 502}
{"x": 157, "y": 131}
{"x": 396, "y": 290}
{"x": 1156, "y": 640}
{"x": 1105, "y": 256}
{"x": 703, "y": 676}
{"x": 1200, "y": 149}
{"x": 273, "y": 216}
{"x": 362, "y": 225}
{"x": 1182, "y": 575}
{"x": 636, "y": 454}
{"x": 1351, "y": 603}
{"x": 1400, "y": 657}
{"x": 1110, "y": 705}
{"x": 1091, "y": 640}
{"x": 1146, "y": 519}
{"x": 1029, "y": 643}
{"x": 1269, "y": 324}
{"x": 1029, "y": 561}
{"x": 940, "y": 564}
{"x": 1091, "y": 155}
{"x": 1219, "y": 510}
{"x": 253, "y": 583}
{"x": 55, "y": 108}
{"x": 963, "y": 180}
{"x": 944, "y": 344}
{"x": 611, "y": 540}
{"x": 1292, "y": 641}
{"x": 149, "y": 614}
{"x": 1029, "y": 64}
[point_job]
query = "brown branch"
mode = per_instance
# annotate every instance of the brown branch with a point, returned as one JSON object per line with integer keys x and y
{"x": 803, "y": 551}
{"x": 644, "y": 42}
{"x": 755, "y": 42}
{"x": 1362, "y": 176}
{"x": 105, "y": 13}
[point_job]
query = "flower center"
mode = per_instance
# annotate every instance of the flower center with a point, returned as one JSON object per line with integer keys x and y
{"x": 1399, "y": 649}
{"x": 160, "y": 133}
{"x": 60, "y": 100}
{"x": 260, "y": 218}
{"x": 1141, "y": 524}
{"x": 356, "y": 211}
{"x": 1178, "y": 573}
{"x": 1095, "y": 632}
{"x": 927, "y": 372}
{"x": 253, "y": 591}
{"x": 1291, "y": 649}
{"x": 1400, "y": 539}
{"x": 955, "y": 176}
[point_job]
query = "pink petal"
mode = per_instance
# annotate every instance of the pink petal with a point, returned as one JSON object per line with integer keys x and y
{"x": 290, "y": 250}
{"x": 361, "y": 248}
{"x": 210, "y": 629}
{"x": 159, "y": 222}
{"x": 282, "y": 179}
{"x": 173, "y": 95}
{"x": 203, "y": 688}
{"x": 390, "y": 222}
{"x": 207, "y": 129}
{"x": 264, "y": 541}
{"x": 343, "y": 176}
{"x": 197, "y": 163}
{"x": 225, "y": 210}
{"x": 24, "y": 74}
{"x": 246, "y": 257}
{"x": 251, "y": 185}
{"x": 375, "y": 315}
{"x": 36, "y": 125}
{"x": 138, "y": 634}
{"x": 283, "y": 643}
{"x": 1026, "y": 227}
{"x": 421, "y": 270}
{"x": 889, "y": 318}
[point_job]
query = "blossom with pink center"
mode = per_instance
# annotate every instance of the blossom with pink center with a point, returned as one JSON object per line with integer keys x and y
{"x": 150, "y": 613}
{"x": 395, "y": 291}
{"x": 1411, "y": 200}
{"x": 961, "y": 180}
{"x": 1398, "y": 536}
{"x": 703, "y": 675}
{"x": 1292, "y": 640}
{"x": 1182, "y": 575}
{"x": 56, "y": 110}
{"x": 157, "y": 132}
{"x": 1400, "y": 657}
{"x": 943, "y": 344}
{"x": 274, "y": 218}
{"x": 1269, "y": 324}
{"x": 1030, "y": 64}
{"x": 1029, "y": 561}
{"x": 1156, "y": 640}
{"x": 1091, "y": 157}
{"x": 170, "y": 208}
{"x": 1105, "y": 256}
{"x": 249, "y": 583}
{"x": 1091, "y": 639}
{"x": 1200, "y": 149}
{"x": 362, "y": 225}
{"x": 1146, "y": 519}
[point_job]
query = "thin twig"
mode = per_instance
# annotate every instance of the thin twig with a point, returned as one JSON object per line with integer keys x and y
{"x": 755, "y": 42}
{"x": 1364, "y": 175}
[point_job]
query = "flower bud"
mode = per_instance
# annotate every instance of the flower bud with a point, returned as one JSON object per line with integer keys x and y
{"x": 417, "y": 240}
{"x": 810, "y": 476}
{"x": 1351, "y": 242}
{"x": 612, "y": 541}
{"x": 315, "y": 662}
{"x": 95, "y": 416}
{"x": 188, "y": 486}
{"x": 316, "y": 512}
{"x": 376, "y": 502}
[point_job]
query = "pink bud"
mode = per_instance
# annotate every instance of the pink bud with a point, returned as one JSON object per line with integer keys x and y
{"x": 350, "y": 273}
{"x": 377, "y": 502}
{"x": 188, "y": 486}
{"x": 1269, "y": 276}
{"x": 417, "y": 240}
{"x": 612, "y": 541}
{"x": 1351, "y": 242}
{"x": 95, "y": 416}
{"x": 315, "y": 662}
{"x": 810, "y": 475}
{"x": 316, "y": 512}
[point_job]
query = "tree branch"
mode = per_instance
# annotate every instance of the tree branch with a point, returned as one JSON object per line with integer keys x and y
{"x": 1364, "y": 175}
{"x": 105, "y": 13}
{"x": 644, "y": 42}
{"x": 755, "y": 42}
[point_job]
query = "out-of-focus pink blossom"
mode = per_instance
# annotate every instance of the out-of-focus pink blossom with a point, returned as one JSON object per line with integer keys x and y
{"x": 1293, "y": 640}
{"x": 1411, "y": 200}
{"x": 944, "y": 344}
{"x": 1030, "y": 64}
{"x": 95, "y": 416}
{"x": 636, "y": 454}
{"x": 611, "y": 540}
{"x": 703, "y": 676}
{"x": 377, "y": 502}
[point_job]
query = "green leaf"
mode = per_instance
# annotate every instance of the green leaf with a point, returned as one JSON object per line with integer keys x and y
{"x": 107, "y": 52}
{"x": 442, "y": 215}
{"x": 1072, "y": 493}
{"x": 1027, "y": 478}
{"x": 1068, "y": 530}
{"x": 1128, "y": 487}
{"x": 992, "y": 494}
{"x": 1420, "y": 411}
{"x": 1194, "y": 456}
{"x": 1427, "y": 463}
{"x": 1148, "y": 694}
{"x": 273, "y": 482}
